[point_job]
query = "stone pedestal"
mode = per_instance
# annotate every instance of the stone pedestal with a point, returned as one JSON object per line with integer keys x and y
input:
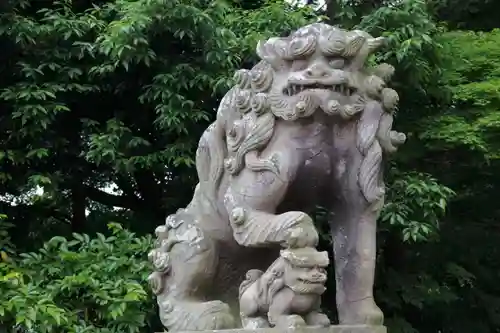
{"x": 331, "y": 329}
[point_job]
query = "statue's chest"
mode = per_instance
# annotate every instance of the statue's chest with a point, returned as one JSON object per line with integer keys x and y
{"x": 313, "y": 148}
{"x": 302, "y": 303}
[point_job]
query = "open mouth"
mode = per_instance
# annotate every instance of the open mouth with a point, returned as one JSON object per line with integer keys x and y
{"x": 294, "y": 89}
{"x": 311, "y": 281}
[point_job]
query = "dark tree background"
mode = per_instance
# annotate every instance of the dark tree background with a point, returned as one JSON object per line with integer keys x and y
{"x": 101, "y": 107}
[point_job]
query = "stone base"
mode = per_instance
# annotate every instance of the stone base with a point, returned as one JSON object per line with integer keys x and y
{"x": 331, "y": 329}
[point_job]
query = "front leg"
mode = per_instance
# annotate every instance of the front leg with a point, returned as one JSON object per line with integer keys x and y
{"x": 316, "y": 317}
{"x": 251, "y": 201}
{"x": 359, "y": 197}
{"x": 279, "y": 314}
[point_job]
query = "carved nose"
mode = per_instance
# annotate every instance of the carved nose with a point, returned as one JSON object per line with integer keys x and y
{"x": 316, "y": 71}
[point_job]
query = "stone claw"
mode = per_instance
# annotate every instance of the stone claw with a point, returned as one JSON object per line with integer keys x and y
{"x": 302, "y": 236}
{"x": 317, "y": 319}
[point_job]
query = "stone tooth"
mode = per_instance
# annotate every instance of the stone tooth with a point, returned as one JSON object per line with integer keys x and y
{"x": 348, "y": 91}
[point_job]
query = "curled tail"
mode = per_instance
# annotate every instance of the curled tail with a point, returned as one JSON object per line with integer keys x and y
{"x": 210, "y": 162}
{"x": 212, "y": 151}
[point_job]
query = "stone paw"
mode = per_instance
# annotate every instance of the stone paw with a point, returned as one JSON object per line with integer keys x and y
{"x": 290, "y": 321}
{"x": 317, "y": 319}
{"x": 195, "y": 316}
{"x": 302, "y": 236}
{"x": 255, "y": 323}
{"x": 363, "y": 312}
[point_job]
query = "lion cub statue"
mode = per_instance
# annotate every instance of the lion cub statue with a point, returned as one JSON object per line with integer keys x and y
{"x": 288, "y": 293}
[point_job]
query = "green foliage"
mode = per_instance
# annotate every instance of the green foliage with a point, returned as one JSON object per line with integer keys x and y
{"x": 416, "y": 204}
{"x": 474, "y": 119}
{"x": 276, "y": 18}
{"x": 449, "y": 282}
{"x": 413, "y": 50}
{"x": 6, "y": 245}
{"x": 118, "y": 92}
{"x": 467, "y": 14}
{"x": 79, "y": 285}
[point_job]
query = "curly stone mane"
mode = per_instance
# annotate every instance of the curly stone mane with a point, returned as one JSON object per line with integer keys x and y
{"x": 260, "y": 104}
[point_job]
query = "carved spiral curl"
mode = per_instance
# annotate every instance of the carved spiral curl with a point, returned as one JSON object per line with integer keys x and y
{"x": 190, "y": 316}
{"x": 369, "y": 177}
{"x": 161, "y": 232}
{"x": 333, "y": 107}
{"x": 390, "y": 99}
{"x": 301, "y": 47}
{"x": 349, "y": 110}
{"x": 242, "y": 78}
{"x": 397, "y": 138}
{"x": 373, "y": 86}
{"x": 384, "y": 71}
{"x": 156, "y": 283}
{"x": 306, "y": 105}
{"x": 160, "y": 260}
{"x": 389, "y": 140}
{"x": 238, "y": 216}
{"x": 257, "y": 136}
{"x": 290, "y": 109}
{"x": 172, "y": 221}
{"x": 332, "y": 43}
{"x": 243, "y": 101}
{"x": 260, "y": 104}
{"x": 273, "y": 51}
{"x": 280, "y": 105}
{"x": 261, "y": 80}
{"x": 161, "y": 264}
{"x": 235, "y": 136}
{"x": 231, "y": 165}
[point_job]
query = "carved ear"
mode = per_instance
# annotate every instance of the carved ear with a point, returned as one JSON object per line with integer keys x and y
{"x": 384, "y": 71}
{"x": 375, "y": 43}
{"x": 273, "y": 51}
{"x": 353, "y": 45}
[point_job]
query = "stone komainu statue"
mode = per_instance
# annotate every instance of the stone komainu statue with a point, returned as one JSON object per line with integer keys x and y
{"x": 308, "y": 125}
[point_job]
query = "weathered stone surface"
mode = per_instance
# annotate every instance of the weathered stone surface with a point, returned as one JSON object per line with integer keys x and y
{"x": 330, "y": 329}
{"x": 308, "y": 125}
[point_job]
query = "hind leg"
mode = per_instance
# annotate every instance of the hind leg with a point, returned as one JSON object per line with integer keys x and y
{"x": 316, "y": 317}
{"x": 354, "y": 235}
{"x": 185, "y": 262}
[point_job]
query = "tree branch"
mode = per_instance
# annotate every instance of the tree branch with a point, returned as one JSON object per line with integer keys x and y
{"x": 112, "y": 200}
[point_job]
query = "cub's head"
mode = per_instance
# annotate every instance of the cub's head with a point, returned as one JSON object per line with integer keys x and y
{"x": 304, "y": 270}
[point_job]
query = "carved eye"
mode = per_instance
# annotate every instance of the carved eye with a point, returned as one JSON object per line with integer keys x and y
{"x": 337, "y": 63}
{"x": 299, "y": 65}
